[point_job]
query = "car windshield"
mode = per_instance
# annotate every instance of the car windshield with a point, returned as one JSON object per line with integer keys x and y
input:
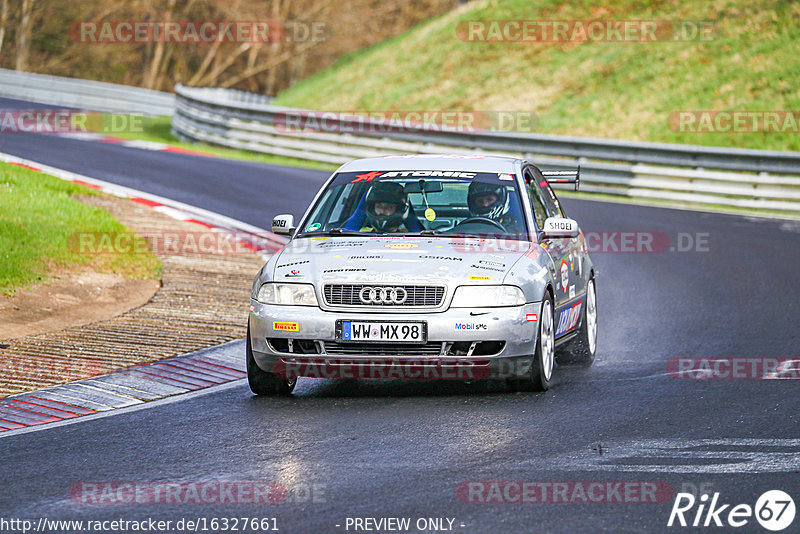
{"x": 424, "y": 202}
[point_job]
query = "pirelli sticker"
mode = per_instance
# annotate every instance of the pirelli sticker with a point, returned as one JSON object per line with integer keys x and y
{"x": 286, "y": 327}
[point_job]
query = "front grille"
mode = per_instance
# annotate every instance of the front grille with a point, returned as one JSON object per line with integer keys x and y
{"x": 382, "y": 349}
{"x": 418, "y": 296}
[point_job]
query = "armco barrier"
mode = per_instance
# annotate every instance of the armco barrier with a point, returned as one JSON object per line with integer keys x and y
{"x": 751, "y": 179}
{"x": 84, "y": 94}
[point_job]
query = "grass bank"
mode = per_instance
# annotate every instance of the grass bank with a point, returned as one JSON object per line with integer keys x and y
{"x": 39, "y": 222}
{"x": 622, "y": 90}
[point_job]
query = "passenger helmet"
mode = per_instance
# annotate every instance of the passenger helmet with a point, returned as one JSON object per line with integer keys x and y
{"x": 391, "y": 193}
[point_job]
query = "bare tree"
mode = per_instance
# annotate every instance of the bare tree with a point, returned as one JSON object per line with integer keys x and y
{"x": 264, "y": 67}
{"x": 24, "y": 35}
{"x": 158, "y": 54}
{"x": 3, "y": 22}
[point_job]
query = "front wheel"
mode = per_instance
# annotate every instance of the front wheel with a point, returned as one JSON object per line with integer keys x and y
{"x": 541, "y": 372}
{"x": 582, "y": 349}
{"x": 263, "y": 382}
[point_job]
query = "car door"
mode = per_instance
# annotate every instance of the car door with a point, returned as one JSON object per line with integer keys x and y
{"x": 576, "y": 244}
{"x": 565, "y": 253}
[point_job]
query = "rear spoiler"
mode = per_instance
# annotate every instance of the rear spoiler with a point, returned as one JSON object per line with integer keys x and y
{"x": 564, "y": 177}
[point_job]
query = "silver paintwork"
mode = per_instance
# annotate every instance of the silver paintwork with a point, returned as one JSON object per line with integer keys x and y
{"x": 530, "y": 265}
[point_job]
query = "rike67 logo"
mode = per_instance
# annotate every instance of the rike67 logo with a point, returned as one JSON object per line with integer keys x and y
{"x": 774, "y": 510}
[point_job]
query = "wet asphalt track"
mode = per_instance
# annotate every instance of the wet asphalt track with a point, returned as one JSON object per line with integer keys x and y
{"x": 401, "y": 449}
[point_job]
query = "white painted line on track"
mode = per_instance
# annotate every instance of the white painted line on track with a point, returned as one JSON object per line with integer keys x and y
{"x": 685, "y": 455}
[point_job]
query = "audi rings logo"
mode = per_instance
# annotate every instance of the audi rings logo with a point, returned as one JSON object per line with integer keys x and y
{"x": 383, "y": 295}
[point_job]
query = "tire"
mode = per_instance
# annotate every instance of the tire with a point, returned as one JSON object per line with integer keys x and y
{"x": 263, "y": 382}
{"x": 582, "y": 349}
{"x": 541, "y": 372}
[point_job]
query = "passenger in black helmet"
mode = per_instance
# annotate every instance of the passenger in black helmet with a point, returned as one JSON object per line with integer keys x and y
{"x": 490, "y": 201}
{"x": 387, "y": 208}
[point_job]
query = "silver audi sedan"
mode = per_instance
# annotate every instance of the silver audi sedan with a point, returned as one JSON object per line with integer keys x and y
{"x": 426, "y": 267}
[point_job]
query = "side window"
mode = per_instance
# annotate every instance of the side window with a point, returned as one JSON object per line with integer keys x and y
{"x": 551, "y": 203}
{"x": 539, "y": 211}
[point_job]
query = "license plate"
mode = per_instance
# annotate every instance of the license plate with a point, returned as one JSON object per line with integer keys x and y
{"x": 382, "y": 331}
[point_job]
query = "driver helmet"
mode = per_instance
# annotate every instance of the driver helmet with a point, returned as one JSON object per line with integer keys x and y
{"x": 493, "y": 211}
{"x": 389, "y": 193}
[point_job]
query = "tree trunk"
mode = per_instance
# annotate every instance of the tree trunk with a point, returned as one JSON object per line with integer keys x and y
{"x": 155, "y": 65}
{"x": 24, "y": 35}
{"x": 3, "y": 22}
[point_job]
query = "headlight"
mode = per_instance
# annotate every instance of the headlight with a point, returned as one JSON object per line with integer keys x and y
{"x": 487, "y": 297}
{"x": 287, "y": 294}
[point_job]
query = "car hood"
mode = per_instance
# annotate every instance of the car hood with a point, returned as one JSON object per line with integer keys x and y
{"x": 397, "y": 259}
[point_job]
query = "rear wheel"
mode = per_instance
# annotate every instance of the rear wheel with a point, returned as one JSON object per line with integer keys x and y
{"x": 541, "y": 372}
{"x": 263, "y": 382}
{"x": 581, "y": 350}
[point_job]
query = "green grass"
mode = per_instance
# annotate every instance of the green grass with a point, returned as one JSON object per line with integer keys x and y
{"x": 602, "y": 89}
{"x": 39, "y": 223}
{"x": 158, "y": 129}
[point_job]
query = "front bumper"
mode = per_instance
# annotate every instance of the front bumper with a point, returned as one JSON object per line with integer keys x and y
{"x": 462, "y": 343}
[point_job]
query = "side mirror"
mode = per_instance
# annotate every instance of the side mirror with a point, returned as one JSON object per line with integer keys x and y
{"x": 283, "y": 224}
{"x": 559, "y": 227}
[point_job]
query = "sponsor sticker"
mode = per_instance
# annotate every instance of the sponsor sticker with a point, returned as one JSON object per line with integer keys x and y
{"x": 401, "y": 245}
{"x": 564, "y": 276}
{"x": 290, "y": 264}
{"x": 368, "y": 177}
{"x": 252, "y": 307}
{"x": 572, "y": 291}
{"x": 531, "y": 317}
{"x": 471, "y": 326}
{"x": 446, "y": 258}
{"x": 444, "y": 174}
{"x": 293, "y": 273}
{"x": 480, "y": 277}
{"x": 285, "y": 327}
{"x": 313, "y": 227}
{"x": 569, "y": 318}
{"x": 476, "y": 266}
